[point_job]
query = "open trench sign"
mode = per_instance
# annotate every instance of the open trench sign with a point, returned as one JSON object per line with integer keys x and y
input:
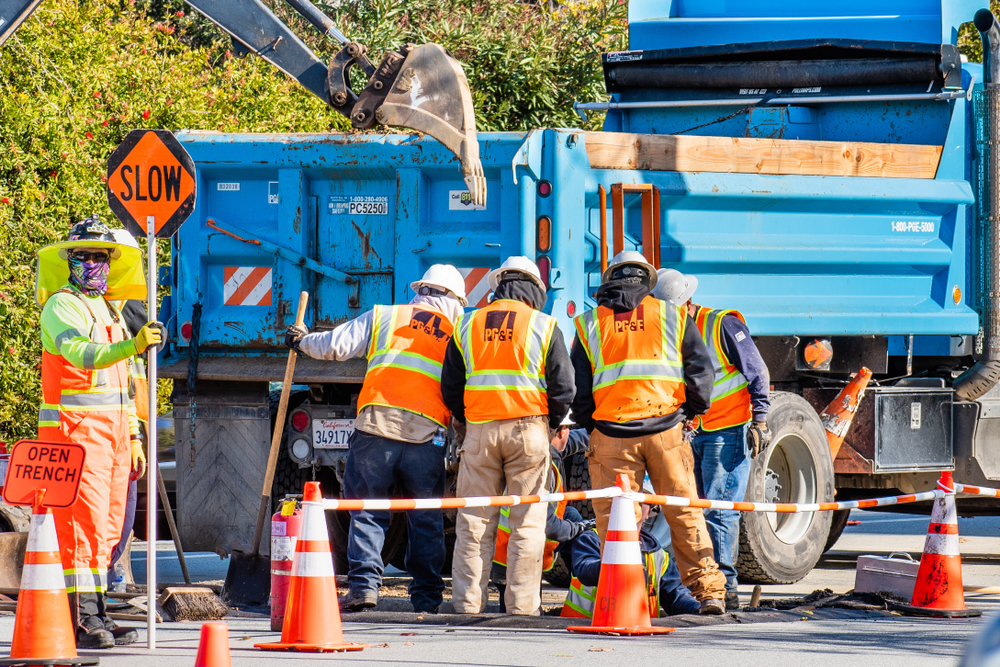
{"x": 150, "y": 174}
{"x": 54, "y": 466}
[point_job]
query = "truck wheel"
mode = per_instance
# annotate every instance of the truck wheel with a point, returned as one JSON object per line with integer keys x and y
{"x": 578, "y": 479}
{"x": 837, "y": 524}
{"x": 795, "y": 468}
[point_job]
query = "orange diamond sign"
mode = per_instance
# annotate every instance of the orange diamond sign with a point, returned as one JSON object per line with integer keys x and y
{"x": 151, "y": 175}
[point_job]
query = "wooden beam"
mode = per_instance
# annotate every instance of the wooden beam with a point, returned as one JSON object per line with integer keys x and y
{"x": 664, "y": 152}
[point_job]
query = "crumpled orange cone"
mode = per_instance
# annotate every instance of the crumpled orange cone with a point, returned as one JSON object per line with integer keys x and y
{"x": 213, "y": 647}
{"x": 938, "y": 591}
{"x": 312, "y": 614}
{"x": 621, "y": 606}
{"x": 837, "y": 416}
{"x": 43, "y": 627}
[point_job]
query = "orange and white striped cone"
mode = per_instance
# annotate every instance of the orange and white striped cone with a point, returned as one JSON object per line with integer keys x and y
{"x": 621, "y": 606}
{"x": 938, "y": 591}
{"x": 312, "y": 614}
{"x": 43, "y": 627}
{"x": 837, "y": 416}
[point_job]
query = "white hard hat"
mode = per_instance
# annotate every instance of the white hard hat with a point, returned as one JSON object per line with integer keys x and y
{"x": 675, "y": 287}
{"x": 445, "y": 277}
{"x": 123, "y": 237}
{"x": 632, "y": 258}
{"x": 519, "y": 264}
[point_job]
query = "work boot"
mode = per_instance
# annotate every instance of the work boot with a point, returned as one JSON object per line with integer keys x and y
{"x": 356, "y": 601}
{"x": 732, "y": 600}
{"x": 712, "y": 607}
{"x": 90, "y": 633}
{"x": 123, "y": 636}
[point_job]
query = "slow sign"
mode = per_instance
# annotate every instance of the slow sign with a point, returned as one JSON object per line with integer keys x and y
{"x": 53, "y": 466}
{"x": 151, "y": 175}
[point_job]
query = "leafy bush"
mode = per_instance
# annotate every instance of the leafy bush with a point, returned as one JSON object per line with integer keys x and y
{"x": 79, "y": 74}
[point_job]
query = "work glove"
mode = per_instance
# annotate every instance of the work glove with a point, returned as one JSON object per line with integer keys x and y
{"x": 138, "y": 460}
{"x": 758, "y": 438}
{"x": 293, "y": 336}
{"x": 154, "y": 333}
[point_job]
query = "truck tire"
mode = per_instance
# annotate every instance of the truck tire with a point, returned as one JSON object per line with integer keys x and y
{"x": 795, "y": 468}
{"x": 837, "y": 524}
{"x": 578, "y": 479}
{"x": 560, "y": 575}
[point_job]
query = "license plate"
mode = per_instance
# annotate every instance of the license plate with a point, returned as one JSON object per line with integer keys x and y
{"x": 332, "y": 433}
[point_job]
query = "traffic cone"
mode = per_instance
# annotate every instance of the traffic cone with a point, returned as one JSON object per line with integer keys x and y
{"x": 213, "y": 648}
{"x": 838, "y": 415}
{"x": 621, "y": 606}
{"x": 312, "y": 614}
{"x": 938, "y": 591}
{"x": 43, "y": 627}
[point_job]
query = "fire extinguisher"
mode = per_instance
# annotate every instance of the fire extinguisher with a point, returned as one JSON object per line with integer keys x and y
{"x": 285, "y": 526}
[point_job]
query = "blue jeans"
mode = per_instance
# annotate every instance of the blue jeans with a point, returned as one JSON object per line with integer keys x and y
{"x": 376, "y": 466}
{"x": 722, "y": 471}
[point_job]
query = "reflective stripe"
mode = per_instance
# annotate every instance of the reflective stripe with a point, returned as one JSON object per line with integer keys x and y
{"x": 581, "y": 599}
{"x": 101, "y": 378}
{"x": 591, "y": 339}
{"x": 42, "y": 533}
{"x": 82, "y": 580}
{"x": 66, "y": 335}
{"x": 496, "y": 380}
{"x": 942, "y": 545}
{"x": 47, "y": 577}
{"x": 312, "y": 564}
{"x": 47, "y": 415}
{"x": 728, "y": 384}
{"x": 621, "y": 553}
{"x": 90, "y": 351}
{"x": 408, "y": 360}
{"x": 638, "y": 370}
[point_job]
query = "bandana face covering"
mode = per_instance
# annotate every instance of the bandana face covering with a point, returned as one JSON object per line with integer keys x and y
{"x": 90, "y": 277}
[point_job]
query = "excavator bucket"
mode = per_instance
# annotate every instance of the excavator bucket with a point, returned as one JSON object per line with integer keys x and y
{"x": 427, "y": 89}
{"x": 431, "y": 95}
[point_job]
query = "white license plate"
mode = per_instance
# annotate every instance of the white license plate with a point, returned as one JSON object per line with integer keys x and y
{"x": 332, "y": 433}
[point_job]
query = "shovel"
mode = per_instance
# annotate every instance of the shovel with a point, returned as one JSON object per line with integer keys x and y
{"x": 248, "y": 581}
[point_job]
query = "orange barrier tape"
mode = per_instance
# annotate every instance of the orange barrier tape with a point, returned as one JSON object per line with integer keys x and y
{"x": 453, "y": 503}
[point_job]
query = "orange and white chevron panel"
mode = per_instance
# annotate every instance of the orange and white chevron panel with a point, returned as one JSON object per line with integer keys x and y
{"x": 477, "y": 287}
{"x": 247, "y": 285}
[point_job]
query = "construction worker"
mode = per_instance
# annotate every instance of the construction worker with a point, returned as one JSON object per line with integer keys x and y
{"x": 641, "y": 371}
{"x": 663, "y": 580}
{"x": 85, "y": 400}
{"x": 399, "y": 434}
{"x": 735, "y": 428}
{"x": 508, "y": 377}
{"x": 562, "y": 522}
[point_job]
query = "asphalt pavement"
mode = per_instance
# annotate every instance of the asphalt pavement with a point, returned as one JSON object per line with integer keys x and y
{"x": 768, "y": 639}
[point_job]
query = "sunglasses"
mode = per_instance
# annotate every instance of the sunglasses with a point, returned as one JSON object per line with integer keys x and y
{"x": 93, "y": 257}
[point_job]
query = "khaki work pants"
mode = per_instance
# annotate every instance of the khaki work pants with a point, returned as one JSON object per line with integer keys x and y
{"x": 670, "y": 464}
{"x": 511, "y": 454}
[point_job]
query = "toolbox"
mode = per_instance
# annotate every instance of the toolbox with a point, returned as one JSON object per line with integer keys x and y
{"x": 895, "y": 573}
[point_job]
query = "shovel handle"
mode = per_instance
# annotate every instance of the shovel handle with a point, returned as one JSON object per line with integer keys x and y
{"x": 279, "y": 427}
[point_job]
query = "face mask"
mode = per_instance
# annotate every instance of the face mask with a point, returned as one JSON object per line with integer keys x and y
{"x": 90, "y": 277}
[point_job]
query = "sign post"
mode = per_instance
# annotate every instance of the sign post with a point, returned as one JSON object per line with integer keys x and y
{"x": 151, "y": 188}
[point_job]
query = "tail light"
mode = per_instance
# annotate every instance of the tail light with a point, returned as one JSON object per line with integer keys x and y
{"x": 544, "y": 188}
{"x": 571, "y": 309}
{"x": 544, "y": 264}
{"x": 187, "y": 332}
{"x": 300, "y": 420}
{"x": 543, "y": 231}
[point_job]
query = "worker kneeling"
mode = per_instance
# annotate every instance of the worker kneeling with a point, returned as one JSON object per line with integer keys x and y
{"x": 663, "y": 580}
{"x": 399, "y": 434}
{"x": 86, "y": 400}
{"x": 508, "y": 375}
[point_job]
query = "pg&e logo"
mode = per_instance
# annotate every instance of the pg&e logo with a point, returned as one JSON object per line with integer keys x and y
{"x": 428, "y": 323}
{"x": 630, "y": 321}
{"x": 499, "y": 326}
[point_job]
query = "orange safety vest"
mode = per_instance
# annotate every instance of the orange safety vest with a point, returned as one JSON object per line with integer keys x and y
{"x": 504, "y": 346}
{"x": 404, "y": 361}
{"x": 730, "y": 397}
{"x": 503, "y": 530}
{"x": 636, "y": 359}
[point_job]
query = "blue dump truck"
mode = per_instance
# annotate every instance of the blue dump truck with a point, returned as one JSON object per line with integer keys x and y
{"x": 830, "y": 170}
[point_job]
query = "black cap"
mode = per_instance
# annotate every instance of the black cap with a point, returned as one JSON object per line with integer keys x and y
{"x": 91, "y": 229}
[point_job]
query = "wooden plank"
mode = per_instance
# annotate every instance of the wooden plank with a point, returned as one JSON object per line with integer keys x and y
{"x": 742, "y": 155}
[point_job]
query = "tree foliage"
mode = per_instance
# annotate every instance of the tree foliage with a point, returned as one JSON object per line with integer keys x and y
{"x": 79, "y": 74}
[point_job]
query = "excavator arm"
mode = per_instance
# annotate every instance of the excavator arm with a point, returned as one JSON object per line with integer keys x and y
{"x": 420, "y": 88}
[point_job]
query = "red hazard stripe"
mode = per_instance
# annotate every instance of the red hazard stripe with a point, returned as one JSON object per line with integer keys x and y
{"x": 42, "y": 558}
{"x": 248, "y": 285}
{"x": 228, "y": 272}
{"x": 943, "y": 529}
{"x": 314, "y": 546}
{"x": 622, "y": 536}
